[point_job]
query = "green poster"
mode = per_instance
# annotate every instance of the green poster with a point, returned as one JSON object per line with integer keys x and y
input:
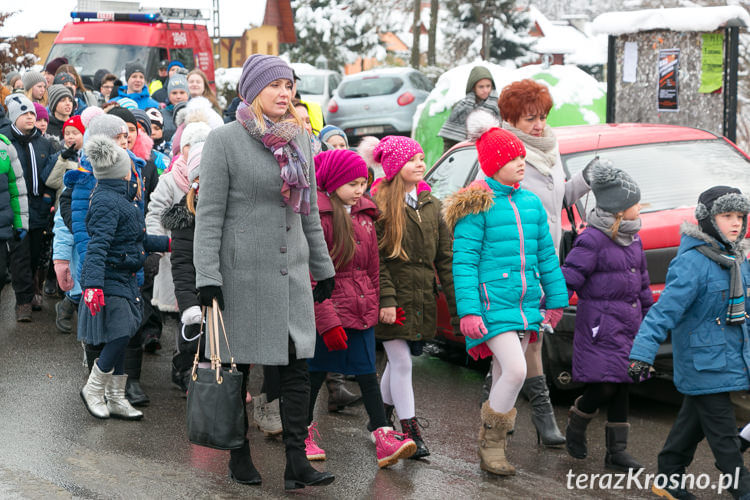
{"x": 712, "y": 60}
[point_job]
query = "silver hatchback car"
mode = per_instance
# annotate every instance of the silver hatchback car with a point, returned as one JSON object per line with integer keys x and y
{"x": 378, "y": 102}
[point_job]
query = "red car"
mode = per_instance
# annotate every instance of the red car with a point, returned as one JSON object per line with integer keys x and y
{"x": 672, "y": 165}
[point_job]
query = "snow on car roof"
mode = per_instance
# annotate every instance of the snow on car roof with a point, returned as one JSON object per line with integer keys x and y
{"x": 677, "y": 19}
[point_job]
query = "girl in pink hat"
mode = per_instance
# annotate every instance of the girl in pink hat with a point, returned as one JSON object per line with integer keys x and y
{"x": 414, "y": 242}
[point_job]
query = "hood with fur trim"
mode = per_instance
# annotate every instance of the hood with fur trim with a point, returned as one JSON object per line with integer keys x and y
{"x": 177, "y": 217}
{"x": 740, "y": 248}
{"x": 475, "y": 198}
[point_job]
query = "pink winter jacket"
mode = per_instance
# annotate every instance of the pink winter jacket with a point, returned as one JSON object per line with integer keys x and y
{"x": 355, "y": 299}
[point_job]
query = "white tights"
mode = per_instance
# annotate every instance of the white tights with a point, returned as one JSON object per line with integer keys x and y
{"x": 395, "y": 384}
{"x": 508, "y": 369}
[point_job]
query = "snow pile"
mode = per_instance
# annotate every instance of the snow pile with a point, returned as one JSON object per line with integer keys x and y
{"x": 226, "y": 83}
{"x": 679, "y": 19}
{"x": 579, "y": 47}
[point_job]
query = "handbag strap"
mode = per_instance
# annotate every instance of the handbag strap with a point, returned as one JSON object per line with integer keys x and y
{"x": 571, "y": 219}
{"x": 194, "y": 374}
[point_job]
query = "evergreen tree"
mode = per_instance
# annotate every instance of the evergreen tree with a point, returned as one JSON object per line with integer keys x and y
{"x": 340, "y": 30}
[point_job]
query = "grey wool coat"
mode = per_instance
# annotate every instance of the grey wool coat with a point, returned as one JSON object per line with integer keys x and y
{"x": 259, "y": 251}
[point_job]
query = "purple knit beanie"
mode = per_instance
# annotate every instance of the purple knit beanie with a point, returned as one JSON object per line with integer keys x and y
{"x": 258, "y": 71}
{"x": 393, "y": 152}
{"x": 41, "y": 112}
{"x": 336, "y": 167}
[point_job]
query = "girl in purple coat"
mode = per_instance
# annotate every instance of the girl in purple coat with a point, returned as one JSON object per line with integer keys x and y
{"x": 607, "y": 269}
{"x": 346, "y": 339}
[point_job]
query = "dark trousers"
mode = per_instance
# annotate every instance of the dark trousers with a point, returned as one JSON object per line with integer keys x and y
{"x": 186, "y": 345}
{"x": 710, "y": 416}
{"x": 614, "y": 396}
{"x": 371, "y": 397}
{"x": 24, "y": 263}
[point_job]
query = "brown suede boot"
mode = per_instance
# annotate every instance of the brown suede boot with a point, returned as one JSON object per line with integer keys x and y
{"x": 492, "y": 440}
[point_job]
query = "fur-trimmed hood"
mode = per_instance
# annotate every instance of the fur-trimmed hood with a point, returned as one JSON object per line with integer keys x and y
{"x": 739, "y": 249}
{"x": 177, "y": 217}
{"x": 475, "y": 198}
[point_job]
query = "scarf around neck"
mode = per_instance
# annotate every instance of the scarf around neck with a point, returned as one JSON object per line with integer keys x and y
{"x": 541, "y": 152}
{"x": 736, "y": 309}
{"x": 603, "y": 221}
{"x": 179, "y": 174}
{"x": 278, "y": 138}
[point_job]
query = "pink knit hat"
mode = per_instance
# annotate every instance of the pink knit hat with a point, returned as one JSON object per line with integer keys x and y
{"x": 337, "y": 167}
{"x": 393, "y": 152}
{"x": 89, "y": 113}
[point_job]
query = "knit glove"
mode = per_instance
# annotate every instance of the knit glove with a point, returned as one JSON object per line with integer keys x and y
{"x": 335, "y": 339}
{"x": 64, "y": 278}
{"x": 69, "y": 153}
{"x": 400, "y": 317}
{"x": 191, "y": 316}
{"x": 94, "y": 299}
{"x": 323, "y": 289}
{"x": 639, "y": 370}
{"x": 553, "y": 317}
{"x": 207, "y": 294}
{"x": 473, "y": 327}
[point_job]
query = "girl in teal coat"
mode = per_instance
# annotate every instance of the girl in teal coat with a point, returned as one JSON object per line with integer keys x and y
{"x": 502, "y": 253}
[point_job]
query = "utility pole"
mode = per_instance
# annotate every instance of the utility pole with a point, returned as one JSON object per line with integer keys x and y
{"x": 216, "y": 33}
{"x": 416, "y": 33}
{"x": 432, "y": 35}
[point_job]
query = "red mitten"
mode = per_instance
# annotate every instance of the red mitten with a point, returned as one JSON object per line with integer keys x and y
{"x": 94, "y": 299}
{"x": 473, "y": 327}
{"x": 553, "y": 317}
{"x": 335, "y": 339}
{"x": 400, "y": 317}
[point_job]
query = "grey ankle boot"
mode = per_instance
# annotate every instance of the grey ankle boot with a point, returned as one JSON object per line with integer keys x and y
{"x": 93, "y": 392}
{"x": 542, "y": 415}
{"x": 617, "y": 441}
{"x": 575, "y": 433}
{"x": 117, "y": 404}
{"x": 64, "y": 311}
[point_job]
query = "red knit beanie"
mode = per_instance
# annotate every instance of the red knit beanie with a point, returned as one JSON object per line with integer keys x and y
{"x": 74, "y": 121}
{"x": 496, "y": 148}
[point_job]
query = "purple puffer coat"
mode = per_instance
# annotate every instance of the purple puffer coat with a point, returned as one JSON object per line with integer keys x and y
{"x": 613, "y": 297}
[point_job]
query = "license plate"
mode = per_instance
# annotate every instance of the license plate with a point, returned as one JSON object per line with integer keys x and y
{"x": 368, "y": 130}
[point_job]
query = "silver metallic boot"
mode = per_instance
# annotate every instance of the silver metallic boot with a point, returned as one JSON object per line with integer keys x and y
{"x": 93, "y": 392}
{"x": 117, "y": 404}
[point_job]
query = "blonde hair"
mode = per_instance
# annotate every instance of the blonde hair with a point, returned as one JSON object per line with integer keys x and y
{"x": 42, "y": 101}
{"x": 616, "y": 225}
{"x": 389, "y": 197}
{"x": 257, "y": 109}
{"x": 190, "y": 197}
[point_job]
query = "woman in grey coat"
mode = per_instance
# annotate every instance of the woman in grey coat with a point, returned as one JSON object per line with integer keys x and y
{"x": 258, "y": 240}
{"x": 524, "y": 106}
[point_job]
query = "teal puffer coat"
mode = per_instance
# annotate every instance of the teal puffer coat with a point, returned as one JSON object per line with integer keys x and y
{"x": 503, "y": 257}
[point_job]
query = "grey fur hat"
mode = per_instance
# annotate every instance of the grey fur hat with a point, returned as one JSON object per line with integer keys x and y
{"x": 613, "y": 188}
{"x": 107, "y": 125}
{"x": 719, "y": 200}
{"x": 108, "y": 160}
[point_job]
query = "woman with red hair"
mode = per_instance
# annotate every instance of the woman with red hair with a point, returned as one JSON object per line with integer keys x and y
{"x": 524, "y": 106}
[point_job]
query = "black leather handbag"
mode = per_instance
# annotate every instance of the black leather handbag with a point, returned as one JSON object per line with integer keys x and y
{"x": 215, "y": 412}
{"x": 568, "y": 236}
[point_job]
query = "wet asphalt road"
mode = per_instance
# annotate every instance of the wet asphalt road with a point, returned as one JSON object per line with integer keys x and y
{"x": 50, "y": 447}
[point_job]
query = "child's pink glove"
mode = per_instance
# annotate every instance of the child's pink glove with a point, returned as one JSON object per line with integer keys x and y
{"x": 94, "y": 299}
{"x": 473, "y": 327}
{"x": 553, "y": 317}
{"x": 62, "y": 271}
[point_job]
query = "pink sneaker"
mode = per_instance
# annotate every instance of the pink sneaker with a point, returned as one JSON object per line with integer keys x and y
{"x": 391, "y": 446}
{"x": 312, "y": 450}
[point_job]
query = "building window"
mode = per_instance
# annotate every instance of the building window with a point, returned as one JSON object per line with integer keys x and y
{"x": 269, "y": 48}
{"x": 254, "y": 47}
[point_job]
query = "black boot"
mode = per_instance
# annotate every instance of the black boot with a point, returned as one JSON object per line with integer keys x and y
{"x": 241, "y": 468}
{"x": 575, "y": 433}
{"x": 617, "y": 441}
{"x": 744, "y": 443}
{"x": 293, "y": 405}
{"x": 64, "y": 315}
{"x": 339, "y": 396}
{"x": 389, "y": 414}
{"x": 133, "y": 390}
{"x": 410, "y": 427}
{"x": 92, "y": 352}
{"x": 542, "y": 416}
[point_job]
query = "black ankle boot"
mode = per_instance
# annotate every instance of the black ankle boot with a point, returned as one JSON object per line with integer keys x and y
{"x": 133, "y": 390}
{"x": 299, "y": 473}
{"x": 617, "y": 442}
{"x": 575, "y": 433}
{"x": 241, "y": 468}
{"x": 410, "y": 427}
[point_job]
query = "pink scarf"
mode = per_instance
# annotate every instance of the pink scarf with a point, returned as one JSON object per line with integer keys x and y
{"x": 180, "y": 173}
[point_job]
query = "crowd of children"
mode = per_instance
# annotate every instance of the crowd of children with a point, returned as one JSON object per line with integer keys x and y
{"x": 119, "y": 190}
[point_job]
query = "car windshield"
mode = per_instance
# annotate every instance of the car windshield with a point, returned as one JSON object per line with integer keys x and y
{"x": 311, "y": 84}
{"x": 370, "y": 86}
{"x": 673, "y": 174}
{"x": 88, "y": 58}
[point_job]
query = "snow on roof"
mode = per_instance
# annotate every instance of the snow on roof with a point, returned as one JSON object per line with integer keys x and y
{"x": 567, "y": 84}
{"x": 235, "y": 16}
{"x": 578, "y": 47}
{"x": 677, "y": 19}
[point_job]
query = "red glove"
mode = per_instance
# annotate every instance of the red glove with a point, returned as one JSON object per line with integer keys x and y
{"x": 62, "y": 271}
{"x": 400, "y": 317}
{"x": 335, "y": 339}
{"x": 553, "y": 317}
{"x": 473, "y": 327}
{"x": 94, "y": 299}
{"x": 169, "y": 245}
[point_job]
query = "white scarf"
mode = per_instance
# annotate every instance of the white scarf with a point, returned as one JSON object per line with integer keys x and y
{"x": 541, "y": 152}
